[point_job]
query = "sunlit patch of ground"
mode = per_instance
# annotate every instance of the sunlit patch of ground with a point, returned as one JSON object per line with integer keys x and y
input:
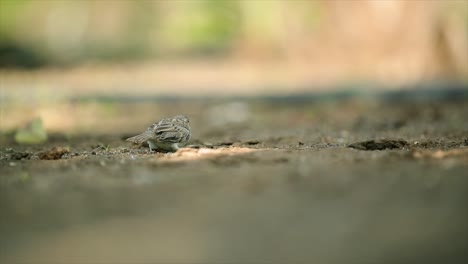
{"x": 190, "y": 154}
{"x": 461, "y": 153}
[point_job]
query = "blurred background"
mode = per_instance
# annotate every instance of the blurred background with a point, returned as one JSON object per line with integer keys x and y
{"x": 302, "y": 41}
{"x": 51, "y": 50}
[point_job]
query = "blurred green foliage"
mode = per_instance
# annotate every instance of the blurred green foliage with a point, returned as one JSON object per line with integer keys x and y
{"x": 33, "y": 133}
{"x": 8, "y": 15}
{"x": 202, "y": 26}
{"x": 38, "y": 32}
{"x": 70, "y": 31}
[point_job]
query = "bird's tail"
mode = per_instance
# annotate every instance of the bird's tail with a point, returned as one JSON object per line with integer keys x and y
{"x": 141, "y": 138}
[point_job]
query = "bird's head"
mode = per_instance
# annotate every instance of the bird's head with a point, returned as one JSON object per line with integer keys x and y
{"x": 181, "y": 118}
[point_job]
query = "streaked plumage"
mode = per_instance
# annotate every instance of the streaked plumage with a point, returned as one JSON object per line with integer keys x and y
{"x": 168, "y": 134}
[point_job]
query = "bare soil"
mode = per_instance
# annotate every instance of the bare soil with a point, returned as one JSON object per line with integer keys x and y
{"x": 366, "y": 180}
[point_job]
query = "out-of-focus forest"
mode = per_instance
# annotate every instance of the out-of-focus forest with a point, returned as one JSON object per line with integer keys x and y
{"x": 285, "y": 41}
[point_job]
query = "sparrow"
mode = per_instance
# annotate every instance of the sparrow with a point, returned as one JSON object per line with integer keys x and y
{"x": 167, "y": 135}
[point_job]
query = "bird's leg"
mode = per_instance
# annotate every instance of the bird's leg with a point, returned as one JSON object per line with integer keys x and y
{"x": 153, "y": 146}
{"x": 175, "y": 147}
{"x": 149, "y": 144}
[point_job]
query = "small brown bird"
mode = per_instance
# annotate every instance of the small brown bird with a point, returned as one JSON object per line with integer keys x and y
{"x": 167, "y": 135}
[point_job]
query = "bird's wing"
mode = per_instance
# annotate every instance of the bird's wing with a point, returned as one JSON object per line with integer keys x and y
{"x": 166, "y": 131}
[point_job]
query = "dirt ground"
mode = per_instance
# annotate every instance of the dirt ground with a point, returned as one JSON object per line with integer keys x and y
{"x": 272, "y": 180}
